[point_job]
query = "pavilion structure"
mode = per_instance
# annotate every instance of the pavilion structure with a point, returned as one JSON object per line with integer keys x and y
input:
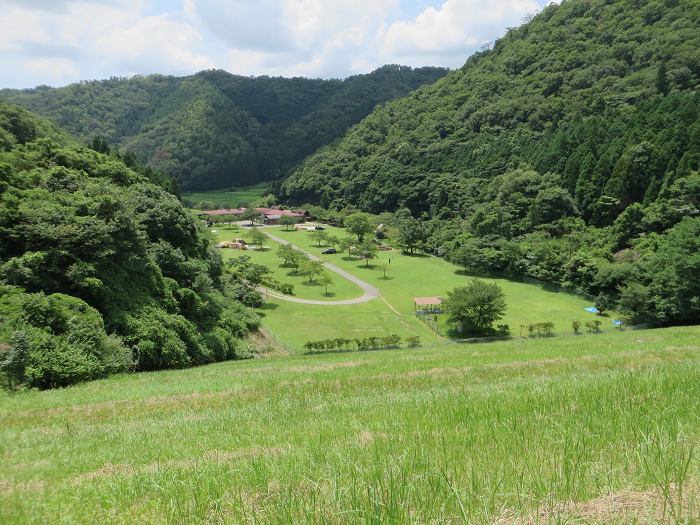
{"x": 428, "y": 305}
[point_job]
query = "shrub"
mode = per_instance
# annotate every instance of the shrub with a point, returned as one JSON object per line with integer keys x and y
{"x": 576, "y": 325}
{"x": 413, "y": 341}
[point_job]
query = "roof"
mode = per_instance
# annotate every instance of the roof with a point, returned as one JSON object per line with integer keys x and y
{"x": 426, "y": 301}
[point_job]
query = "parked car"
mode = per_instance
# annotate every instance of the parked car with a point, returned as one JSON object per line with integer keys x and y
{"x": 317, "y": 227}
{"x": 328, "y": 251}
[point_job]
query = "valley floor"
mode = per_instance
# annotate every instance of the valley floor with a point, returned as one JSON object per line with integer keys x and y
{"x": 600, "y": 429}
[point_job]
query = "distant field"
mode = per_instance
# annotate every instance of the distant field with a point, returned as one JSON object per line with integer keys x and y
{"x": 233, "y": 198}
{"x": 592, "y": 429}
{"x": 409, "y": 277}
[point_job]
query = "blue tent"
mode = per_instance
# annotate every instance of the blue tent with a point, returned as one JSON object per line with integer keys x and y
{"x": 592, "y": 309}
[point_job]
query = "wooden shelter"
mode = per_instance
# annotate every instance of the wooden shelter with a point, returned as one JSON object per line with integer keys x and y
{"x": 428, "y": 304}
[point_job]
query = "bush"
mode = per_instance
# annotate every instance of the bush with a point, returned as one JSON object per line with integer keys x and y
{"x": 593, "y": 326}
{"x": 341, "y": 344}
{"x": 576, "y": 325}
{"x": 413, "y": 341}
{"x": 55, "y": 341}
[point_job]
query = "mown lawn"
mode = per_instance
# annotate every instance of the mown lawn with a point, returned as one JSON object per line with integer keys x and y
{"x": 303, "y": 289}
{"x": 232, "y": 198}
{"x": 487, "y": 433}
{"x": 414, "y": 276}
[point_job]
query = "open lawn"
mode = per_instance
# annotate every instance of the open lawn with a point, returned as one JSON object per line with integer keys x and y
{"x": 233, "y": 198}
{"x": 590, "y": 429}
{"x": 303, "y": 289}
{"x": 408, "y": 277}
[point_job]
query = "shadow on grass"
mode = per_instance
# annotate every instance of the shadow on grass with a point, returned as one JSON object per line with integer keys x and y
{"x": 328, "y": 294}
{"x": 367, "y": 267}
{"x": 415, "y": 255}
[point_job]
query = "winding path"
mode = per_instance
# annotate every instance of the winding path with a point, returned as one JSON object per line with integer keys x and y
{"x": 370, "y": 292}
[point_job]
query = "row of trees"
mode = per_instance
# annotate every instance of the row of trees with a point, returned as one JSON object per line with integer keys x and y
{"x": 368, "y": 343}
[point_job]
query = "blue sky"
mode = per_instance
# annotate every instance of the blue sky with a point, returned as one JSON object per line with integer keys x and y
{"x": 56, "y": 42}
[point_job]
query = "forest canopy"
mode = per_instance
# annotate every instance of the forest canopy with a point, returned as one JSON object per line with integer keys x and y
{"x": 215, "y": 130}
{"x": 101, "y": 270}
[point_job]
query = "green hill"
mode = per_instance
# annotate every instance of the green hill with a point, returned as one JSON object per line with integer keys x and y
{"x": 91, "y": 247}
{"x": 213, "y": 129}
{"x": 573, "y": 140}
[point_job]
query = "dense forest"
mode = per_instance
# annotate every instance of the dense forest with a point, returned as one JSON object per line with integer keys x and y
{"x": 568, "y": 152}
{"x": 214, "y": 130}
{"x": 101, "y": 269}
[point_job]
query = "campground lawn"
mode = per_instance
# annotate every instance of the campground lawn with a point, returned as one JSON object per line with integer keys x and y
{"x": 408, "y": 277}
{"x": 590, "y": 429}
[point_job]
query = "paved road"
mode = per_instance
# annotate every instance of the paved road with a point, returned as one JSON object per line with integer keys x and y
{"x": 370, "y": 292}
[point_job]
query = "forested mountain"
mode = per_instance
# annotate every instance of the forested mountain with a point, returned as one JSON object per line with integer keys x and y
{"x": 91, "y": 247}
{"x": 565, "y": 153}
{"x": 213, "y": 129}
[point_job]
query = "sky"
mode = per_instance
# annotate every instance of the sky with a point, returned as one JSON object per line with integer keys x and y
{"x": 57, "y": 42}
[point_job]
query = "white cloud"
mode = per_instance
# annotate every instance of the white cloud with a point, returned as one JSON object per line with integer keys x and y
{"x": 454, "y": 28}
{"x": 57, "y": 41}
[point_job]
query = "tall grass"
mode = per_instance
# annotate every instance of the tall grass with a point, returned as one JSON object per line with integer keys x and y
{"x": 462, "y": 434}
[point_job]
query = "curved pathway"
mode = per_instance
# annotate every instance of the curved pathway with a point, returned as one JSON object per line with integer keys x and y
{"x": 370, "y": 292}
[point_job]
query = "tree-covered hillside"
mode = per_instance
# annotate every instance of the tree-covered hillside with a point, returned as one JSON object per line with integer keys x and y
{"x": 574, "y": 139}
{"x": 101, "y": 270}
{"x": 213, "y": 129}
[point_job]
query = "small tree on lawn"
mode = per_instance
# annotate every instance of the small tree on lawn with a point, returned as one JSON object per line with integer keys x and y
{"x": 367, "y": 250}
{"x": 256, "y": 237}
{"x": 254, "y": 273}
{"x": 475, "y": 307}
{"x": 332, "y": 240}
{"x": 604, "y": 303}
{"x": 288, "y": 222}
{"x": 346, "y": 244}
{"x": 325, "y": 280}
{"x": 311, "y": 269}
{"x": 288, "y": 254}
{"x": 319, "y": 236}
{"x": 384, "y": 267}
{"x": 251, "y": 214}
{"x": 358, "y": 224}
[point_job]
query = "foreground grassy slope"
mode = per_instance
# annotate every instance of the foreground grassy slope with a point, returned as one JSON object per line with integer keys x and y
{"x": 478, "y": 433}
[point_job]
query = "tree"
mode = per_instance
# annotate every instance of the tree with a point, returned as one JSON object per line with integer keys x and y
{"x": 289, "y": 255}
{"x": 604, "y": 303}
{"x": 256, "y": 237}
{"x": 311, "y": 269}
{"x": 411, "y": 233}
{"x": 662, "y": 79}
{"x": 319, "y": 236}
{"x": 325, "y": 280}
{"x": 288, "y": 222}
{"x": 347, "y": 244}
{"x": 251, "y": 214}
{"x": 475, "y": 307}
{"x": 470, "y": 256}
{"x": 367, "y": 250}
{"x": 384, "y": 267}
{"x": 332, "y": 240}
{"x": 358, "y": 224}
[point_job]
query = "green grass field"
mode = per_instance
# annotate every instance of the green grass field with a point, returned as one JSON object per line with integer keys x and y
{"x": 409, "y": 276}
{"x": 590, "y": 429}
{"x": 303, "y": 289}
{"x": 232, "y": 198}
